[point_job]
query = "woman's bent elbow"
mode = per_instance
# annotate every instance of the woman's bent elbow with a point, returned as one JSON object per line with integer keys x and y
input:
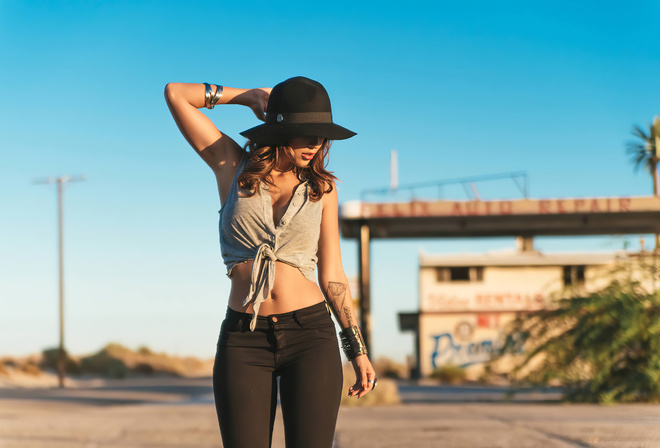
{"x": 170, "y": 91}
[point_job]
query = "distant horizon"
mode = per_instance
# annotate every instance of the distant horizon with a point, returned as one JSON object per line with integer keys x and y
{"x": 134, "y": 349}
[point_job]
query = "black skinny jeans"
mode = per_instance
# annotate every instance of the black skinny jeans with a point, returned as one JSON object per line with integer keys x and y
{"x": 301, "y": 348}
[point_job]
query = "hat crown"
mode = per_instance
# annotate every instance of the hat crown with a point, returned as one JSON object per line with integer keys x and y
{"x": 298, "y": 95}
{"x": 297, "y": 107}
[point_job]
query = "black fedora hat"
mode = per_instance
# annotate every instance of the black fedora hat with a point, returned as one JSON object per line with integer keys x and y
{"x": 297, "y": 107}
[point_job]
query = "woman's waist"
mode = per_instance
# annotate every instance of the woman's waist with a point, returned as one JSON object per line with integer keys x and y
{"x": 291, "y": 290}
{"x": 276, "y": 305}
{"x": 315, "y": 316}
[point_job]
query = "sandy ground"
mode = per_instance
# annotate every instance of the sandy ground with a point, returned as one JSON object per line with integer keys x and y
{"x": 180, "y": 413}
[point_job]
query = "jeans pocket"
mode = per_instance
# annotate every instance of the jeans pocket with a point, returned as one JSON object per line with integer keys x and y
{"x": 321, "y": 321}
{"x": 226, "y": 328}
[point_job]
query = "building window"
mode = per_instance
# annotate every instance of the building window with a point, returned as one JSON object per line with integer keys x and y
{"x": 573, "y": 275}
{"x": 460, "y": 274}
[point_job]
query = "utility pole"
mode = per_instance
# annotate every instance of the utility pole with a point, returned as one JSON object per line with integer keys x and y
{"x": 60, "y": 181}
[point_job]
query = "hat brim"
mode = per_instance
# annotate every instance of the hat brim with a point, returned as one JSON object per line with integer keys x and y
{"x": 279, "y": 134}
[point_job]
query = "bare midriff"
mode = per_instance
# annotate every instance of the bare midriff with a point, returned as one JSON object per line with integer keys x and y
{"x": 291, "y": 290}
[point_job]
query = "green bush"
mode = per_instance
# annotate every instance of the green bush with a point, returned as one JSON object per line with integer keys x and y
{"x": 602, "y": 346}
{"x": 450, "y": 374}
{"x": 144, "y": 369}
{"x": 105, "y": 363}
{"x": 388, "y": 368}
{"x": 50, "y": 357}
{"x": 144, "y": 350}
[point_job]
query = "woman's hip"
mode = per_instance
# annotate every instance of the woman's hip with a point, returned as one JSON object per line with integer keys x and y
{"x": 312, "y": 323}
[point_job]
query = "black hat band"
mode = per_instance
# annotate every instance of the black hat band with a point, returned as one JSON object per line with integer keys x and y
{"x": 300, "y": 117}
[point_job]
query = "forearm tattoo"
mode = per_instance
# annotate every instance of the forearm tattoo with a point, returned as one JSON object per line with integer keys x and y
{"x": 336, "y": 294}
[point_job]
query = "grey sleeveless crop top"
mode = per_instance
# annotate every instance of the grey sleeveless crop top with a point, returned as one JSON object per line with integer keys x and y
{"x": 247, "y": 232}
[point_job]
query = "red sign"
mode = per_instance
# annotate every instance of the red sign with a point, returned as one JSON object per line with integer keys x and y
{"x": 480, "y": 301}
{"x": 509, "y": 207}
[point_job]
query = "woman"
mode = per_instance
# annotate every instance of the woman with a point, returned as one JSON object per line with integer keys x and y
{"x": 278, "y": 221}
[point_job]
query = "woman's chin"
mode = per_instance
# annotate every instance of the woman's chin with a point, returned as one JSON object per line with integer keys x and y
{"x": 302, "y": 163}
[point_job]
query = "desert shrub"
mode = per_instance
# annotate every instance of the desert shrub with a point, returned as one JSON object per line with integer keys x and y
{"x": 9, "y": 362}
{"x": 105, "y": 363}
{"x": 50, "y": 357}
{"x": 120, "y": 361}
{"x": 143, "y": 368}
{"x": 117, "y": 350}
{"x": 165, "y": 364}
{"x": 386, "y": 392}
{"x": 191, "y": 364}
{"x": 602, "y": 346}
{"x": 144, "y": 350}
{"x": 30, "y": 368}
{"x": 388, "y": 368}
{"x": 449, "y": 374}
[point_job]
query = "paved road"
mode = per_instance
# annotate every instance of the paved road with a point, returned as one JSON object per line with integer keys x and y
{"x": 180, "y": 413}
{"x": 145, "y": 390}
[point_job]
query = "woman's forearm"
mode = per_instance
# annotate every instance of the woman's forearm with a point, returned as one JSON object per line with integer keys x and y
{"x": 338, "y": 295}
{"x": 195, "y": 94}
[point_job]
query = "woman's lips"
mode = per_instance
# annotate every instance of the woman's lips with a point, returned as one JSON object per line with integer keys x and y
{"x": 308, "y": 155}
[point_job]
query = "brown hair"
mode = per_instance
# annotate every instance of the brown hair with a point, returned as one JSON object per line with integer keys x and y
{"x": 264, "y": 158}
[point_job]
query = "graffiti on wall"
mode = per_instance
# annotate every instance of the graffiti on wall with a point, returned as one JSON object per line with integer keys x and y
{"x": 448, "y": 351}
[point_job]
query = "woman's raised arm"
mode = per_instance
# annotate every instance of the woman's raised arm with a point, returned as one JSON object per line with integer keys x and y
{"x": 219, "y": 151}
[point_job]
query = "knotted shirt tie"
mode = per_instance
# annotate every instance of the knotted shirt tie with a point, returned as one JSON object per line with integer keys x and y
{"x": 262, "y": 278}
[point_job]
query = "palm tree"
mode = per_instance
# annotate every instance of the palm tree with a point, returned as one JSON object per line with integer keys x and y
{"x": 645, "y": 150}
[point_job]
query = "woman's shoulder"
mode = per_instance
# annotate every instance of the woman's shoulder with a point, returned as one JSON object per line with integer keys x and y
{"x": 330, "y": 197}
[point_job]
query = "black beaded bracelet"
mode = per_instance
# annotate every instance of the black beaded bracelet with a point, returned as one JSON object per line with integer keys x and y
{"x": 352, "y": 342}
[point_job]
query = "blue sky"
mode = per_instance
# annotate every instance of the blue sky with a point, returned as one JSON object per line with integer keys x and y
{"x": 457, "y": 88}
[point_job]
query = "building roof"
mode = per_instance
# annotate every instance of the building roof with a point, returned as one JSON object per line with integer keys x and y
{"x": 512, "y": 257}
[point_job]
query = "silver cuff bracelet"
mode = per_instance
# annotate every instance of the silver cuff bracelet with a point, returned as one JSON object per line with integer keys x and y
{"x": 352, "y": 342}
{"x": 210, "y": 98}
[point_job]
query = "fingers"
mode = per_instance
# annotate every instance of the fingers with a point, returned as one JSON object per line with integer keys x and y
{"x": 364, "y": 383}
{"x": 260, "y": 103}
{"x": 367, "y": 382}
{"x": 260, "y": 114}
{"x": 356, "y": 390}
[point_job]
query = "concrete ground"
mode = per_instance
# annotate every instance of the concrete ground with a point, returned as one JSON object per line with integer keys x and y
{"x": 180, "y": 413}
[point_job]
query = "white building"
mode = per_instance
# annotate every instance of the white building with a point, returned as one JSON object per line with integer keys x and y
{"x": 465, "y": 300}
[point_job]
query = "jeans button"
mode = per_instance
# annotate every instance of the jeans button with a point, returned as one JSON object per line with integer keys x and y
{"x": 274, "y": 319}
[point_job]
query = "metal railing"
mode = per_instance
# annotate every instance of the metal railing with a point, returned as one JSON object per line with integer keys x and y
{"x": 467, "y": 182}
